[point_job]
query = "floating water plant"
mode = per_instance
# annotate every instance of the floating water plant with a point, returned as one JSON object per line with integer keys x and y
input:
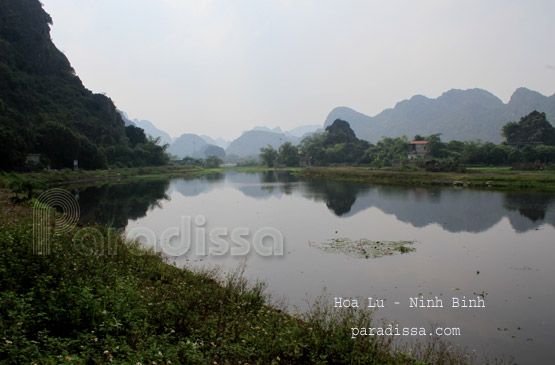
{"x": 364, "y": 248}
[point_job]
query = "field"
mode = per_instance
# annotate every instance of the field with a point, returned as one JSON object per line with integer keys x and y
{"x": 499, "y": 178}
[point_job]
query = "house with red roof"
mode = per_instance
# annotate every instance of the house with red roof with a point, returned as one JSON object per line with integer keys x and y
{"x": 419, "y": 149}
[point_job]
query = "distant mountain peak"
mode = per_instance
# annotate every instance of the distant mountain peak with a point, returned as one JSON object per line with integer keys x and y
{"x": 525, "y": 90}
{"x": 476, "y": 92}
{"x": 250, "y": 142}
{"x": 266, "y": 129}
{"x": 148, "y": 127}
{"x": 456, "y": 114}
{"x": 525, "y": 93}
{"x": 220, "y": 142}
{"x": 187, "y": 145}
{"x": 303, "y": 130}
{"x": 418, "y": 97}
{"x": 342, "y": 108}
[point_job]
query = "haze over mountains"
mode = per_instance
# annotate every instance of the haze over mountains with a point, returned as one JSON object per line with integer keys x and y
{"x": 31, "y": 62}
{"x": 187, "y": 145}
{"x": 39, "y": 90}
{"x": 149, "y": 128}
{"x": 247, "y": 145}
{"x": 220, "y": 142}
{"x": 457, "y": 114}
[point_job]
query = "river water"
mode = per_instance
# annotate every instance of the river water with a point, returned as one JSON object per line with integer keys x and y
{"x": 342, "y": 240}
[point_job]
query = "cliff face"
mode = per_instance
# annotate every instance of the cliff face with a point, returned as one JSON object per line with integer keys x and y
{"x": 38, "y": 84}
{"x": 25, "y": 29}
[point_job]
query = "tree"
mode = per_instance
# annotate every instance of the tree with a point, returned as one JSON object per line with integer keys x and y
{"x": 269, "y": 155}
{"x": 212, "y": 150}
{"x": 212, "y": 162}
{"x": 11, "y": 150}
{"x": 189, "y": 161}
{"x": 155, "y": 154}
{"x": 545, "y": 154}
{"x": 90, "y": 156}
{"x": 436, "y": 147}
{"x": 336, "y": 153}
{"x": 472, "y": 152}
{"x": 529, "y": 154}
{"x": 532, "y": 128}
{"x": 288, "y": 154}
{"x": 339, "y": 132}
{"x": 135, "y": 135}
{"x": 496, "y": 154}
{"x": 59, "y": 144}
{"x": 510, "y": 131}
{"x": 454, "y": 150}
{"x": 356, "y": 151}
{"x": 389, "y": 150}
{"x": 313, "y": 147}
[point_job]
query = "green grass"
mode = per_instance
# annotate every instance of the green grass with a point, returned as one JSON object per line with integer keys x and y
{"x": 484, "y": 178}
{"x": 493, "y": 170}
{"x": 262, "y": 168}
{"x": 100, "y": 298}
{"x": 84, "y": 176}
{"x": 508, "y": 170}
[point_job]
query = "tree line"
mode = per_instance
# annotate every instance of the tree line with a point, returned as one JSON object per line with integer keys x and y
{"x": 529, "y": 140}
{"x": 59, "y": 145}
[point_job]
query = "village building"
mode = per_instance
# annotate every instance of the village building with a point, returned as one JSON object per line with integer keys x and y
{"x": 304, "y": 159}
{"x": 419, "y": 149}
{"x": 33, "y": 158}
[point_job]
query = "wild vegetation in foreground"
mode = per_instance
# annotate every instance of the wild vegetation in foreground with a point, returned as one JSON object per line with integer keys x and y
{"x": 98, "y": 298}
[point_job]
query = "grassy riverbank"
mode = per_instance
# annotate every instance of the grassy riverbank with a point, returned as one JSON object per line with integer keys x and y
{"x": 263, "y": 168}
{"x": 98, "y": 298}
{"x": 85, "y": 176}
{"x": 502, "y": 179}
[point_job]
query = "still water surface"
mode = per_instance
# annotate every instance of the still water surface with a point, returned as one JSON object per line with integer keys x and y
{"x": 495, "y": 245}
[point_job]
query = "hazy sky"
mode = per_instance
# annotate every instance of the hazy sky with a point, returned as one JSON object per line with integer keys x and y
{"x": 221, "y": 67}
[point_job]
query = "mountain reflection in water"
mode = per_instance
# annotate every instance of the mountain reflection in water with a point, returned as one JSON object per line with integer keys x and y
{"x": 456, "y": 210}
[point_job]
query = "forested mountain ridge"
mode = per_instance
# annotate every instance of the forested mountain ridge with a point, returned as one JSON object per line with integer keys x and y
{"x": 43, "y": 102}
{"x": 456, "y": 114}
